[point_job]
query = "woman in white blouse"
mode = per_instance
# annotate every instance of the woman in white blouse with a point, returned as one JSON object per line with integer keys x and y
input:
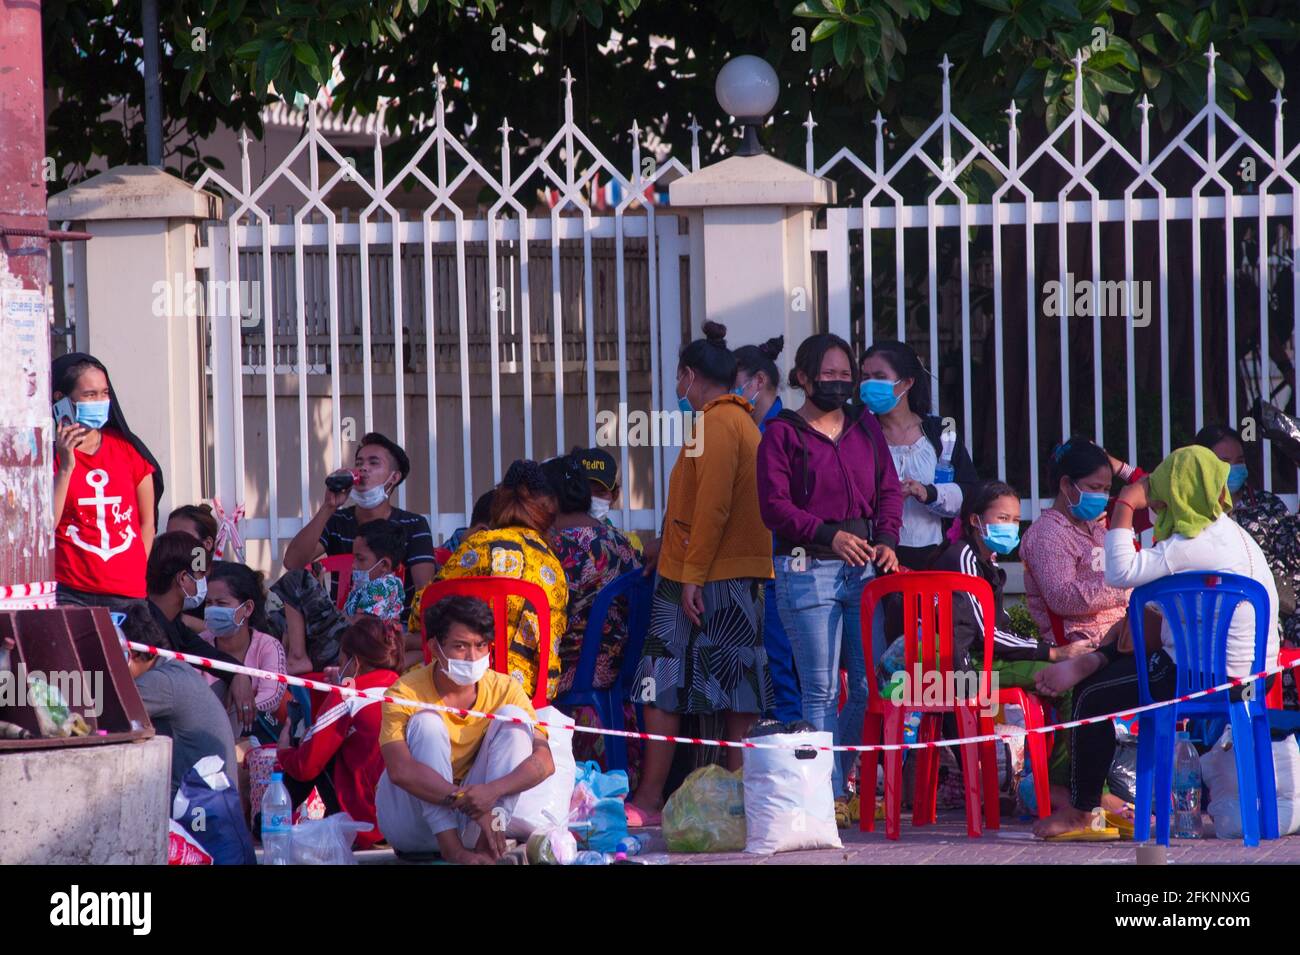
{"x": 1189, "y": 494}
{"x": 932, "y": 464}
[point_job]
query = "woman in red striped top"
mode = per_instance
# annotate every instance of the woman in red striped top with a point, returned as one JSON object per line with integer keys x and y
{"x": 347, "y": 727}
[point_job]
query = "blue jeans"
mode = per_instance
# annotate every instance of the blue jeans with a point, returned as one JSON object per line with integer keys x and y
{"x": 820, "y": 607}
{"x": 786, "y": 703}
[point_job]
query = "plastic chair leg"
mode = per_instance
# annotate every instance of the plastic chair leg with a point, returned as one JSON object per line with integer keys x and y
{"x": 925, "y": 799}
{"x": 872, "y": 732}
{"x": 1037, "y": 750}
{"x": 1163, "y": 777}
{"x": 893, "y": 721}
{"x": 611, "y": 717}
{"x": 989, "y": 770}
{"x": 968, "y": 725}
{"x": 1243, "y": 745}
{"x": 1266, "y": 782}
{"x": 1146, "y": 766}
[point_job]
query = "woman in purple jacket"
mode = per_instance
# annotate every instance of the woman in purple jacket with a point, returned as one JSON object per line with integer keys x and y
{"x": 828, "y": 490}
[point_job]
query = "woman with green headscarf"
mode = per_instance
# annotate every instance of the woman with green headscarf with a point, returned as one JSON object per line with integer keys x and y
{"x": 1189, "y": 497}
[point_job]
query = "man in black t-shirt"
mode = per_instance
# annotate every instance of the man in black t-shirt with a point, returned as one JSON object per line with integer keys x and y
{"x": 312, "y": 622}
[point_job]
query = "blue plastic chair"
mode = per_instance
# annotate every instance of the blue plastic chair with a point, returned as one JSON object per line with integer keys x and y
{"x": 1197, "y": 609}
{"x": 608, "y": 703}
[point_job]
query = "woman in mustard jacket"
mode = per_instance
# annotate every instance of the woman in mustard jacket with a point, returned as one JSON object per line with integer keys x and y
{"x": 704, "y": 649}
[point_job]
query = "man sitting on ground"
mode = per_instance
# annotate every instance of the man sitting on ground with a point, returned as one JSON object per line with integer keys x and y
{"x": 175, "y": 578}
{"x": 380, "y": 465}
{"x": 177, "y": 699}
{"x": 451, "y": 782}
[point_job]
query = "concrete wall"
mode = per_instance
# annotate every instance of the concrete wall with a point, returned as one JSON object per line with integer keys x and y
{"x": 96, "y": 805}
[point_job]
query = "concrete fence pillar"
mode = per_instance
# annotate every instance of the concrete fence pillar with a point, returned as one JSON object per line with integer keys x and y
{"x": 138, "y": 307}
{"x": 751, "y": 221}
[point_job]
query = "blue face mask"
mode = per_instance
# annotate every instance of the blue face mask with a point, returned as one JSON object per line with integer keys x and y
{"x": 1090, "y": 506}
{"x": 1236, "y": 478}
{"x": 878, "y": 395}
{"x": 1002, "y": 538}
{"x": 221, "y": 620}
{"x": 93, "y": 414}
{"x": 684, "y": 402}
{"x": 362, "y": 577}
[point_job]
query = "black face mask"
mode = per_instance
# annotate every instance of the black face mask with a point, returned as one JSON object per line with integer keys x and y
{"x": 829, "y": 395}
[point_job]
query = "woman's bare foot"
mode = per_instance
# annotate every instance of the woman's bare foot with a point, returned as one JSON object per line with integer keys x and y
{"x": 642, "y": 812}
{"x": 1060, "y": 795}
{"x": 1065, "y": 819}
{"x": 1112, "y": 803}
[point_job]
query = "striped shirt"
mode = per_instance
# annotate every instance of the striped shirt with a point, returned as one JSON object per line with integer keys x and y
{"x": 968, "y": 617}
{"x": 341, "y": 528}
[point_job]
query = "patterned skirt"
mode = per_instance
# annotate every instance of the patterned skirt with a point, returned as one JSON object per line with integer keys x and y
{"x": 720, "y": 666}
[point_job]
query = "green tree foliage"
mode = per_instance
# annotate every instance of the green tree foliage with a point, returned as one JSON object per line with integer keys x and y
{"x": 222, "y": 60}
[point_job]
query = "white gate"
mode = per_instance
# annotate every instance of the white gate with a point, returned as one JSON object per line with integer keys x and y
{"x": 450, "y": 333}
{"x": 1243, "y": 185}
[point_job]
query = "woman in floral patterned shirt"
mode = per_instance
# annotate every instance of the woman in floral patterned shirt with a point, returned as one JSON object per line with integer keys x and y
{"x": 1264, "y": 516}
{"x": 592, "y": 553}
{"x": 523, "y": 510}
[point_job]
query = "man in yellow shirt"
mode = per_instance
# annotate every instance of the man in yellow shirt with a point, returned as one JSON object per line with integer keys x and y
{"x": 451, "y": 782}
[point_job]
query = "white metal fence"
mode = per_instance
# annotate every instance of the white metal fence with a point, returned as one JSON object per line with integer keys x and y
{"x": 1209, "y": 222}
{"x": 523, "y": 323}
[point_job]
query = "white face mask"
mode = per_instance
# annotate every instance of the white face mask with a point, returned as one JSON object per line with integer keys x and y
{"x": 464, "y": 672}
{"x": 370, "y": 498}
{"x": 599, "y": 508}
{"x": 200, "y": 594}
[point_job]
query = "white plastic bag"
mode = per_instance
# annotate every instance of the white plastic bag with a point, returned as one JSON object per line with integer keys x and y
{"x": 549, "y": 799}
{"x": 1219, "y": 770}
{"x": 789, "y": 802}
{"x": 327, "y": 841}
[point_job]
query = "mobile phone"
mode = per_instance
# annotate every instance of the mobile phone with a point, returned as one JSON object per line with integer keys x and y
{"x": 64, "y": 412}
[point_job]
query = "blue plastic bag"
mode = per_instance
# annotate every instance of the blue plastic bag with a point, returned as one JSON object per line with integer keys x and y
{"x": 207, "y": 806}
{"x": 601, "y": 821}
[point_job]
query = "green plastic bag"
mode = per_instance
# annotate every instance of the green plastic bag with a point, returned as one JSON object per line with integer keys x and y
{"x": 707, "y": 814}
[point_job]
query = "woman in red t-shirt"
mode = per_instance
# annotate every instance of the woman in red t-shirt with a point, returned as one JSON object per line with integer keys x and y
{"x": 106, "y": 489}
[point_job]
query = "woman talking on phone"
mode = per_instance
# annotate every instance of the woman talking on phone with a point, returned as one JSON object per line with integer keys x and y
{"x": 106, "y": 491}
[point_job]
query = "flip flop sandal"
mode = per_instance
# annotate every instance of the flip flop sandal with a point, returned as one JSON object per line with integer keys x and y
{"x": 1096, "y": 831}
{"x": 1123, "y": 823}
{"x": 638, "y": 818}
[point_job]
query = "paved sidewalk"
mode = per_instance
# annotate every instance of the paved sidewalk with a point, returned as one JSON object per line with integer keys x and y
{"x": 946, "y": 843}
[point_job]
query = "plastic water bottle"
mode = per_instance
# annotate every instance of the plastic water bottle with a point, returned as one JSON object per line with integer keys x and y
{"x": 1187, "y": 789}
{"x": 591, "y": 857}
{"x": 630, "y": 845}
{"x": 277, "y": 823}
{"x": 944, "y": 472}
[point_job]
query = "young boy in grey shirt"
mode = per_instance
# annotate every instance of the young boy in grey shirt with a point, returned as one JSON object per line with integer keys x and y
{"x": 179, "y": 702}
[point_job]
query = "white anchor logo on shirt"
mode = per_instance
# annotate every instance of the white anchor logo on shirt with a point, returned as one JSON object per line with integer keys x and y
{"x": 97, "y": 479}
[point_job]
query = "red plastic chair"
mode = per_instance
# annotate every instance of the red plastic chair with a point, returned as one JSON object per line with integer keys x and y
{"x": 495, "y": 591}
{"x": 1273, "y": 700}
{"x": 340, "y": 565}
{"x": 934, "y": 591}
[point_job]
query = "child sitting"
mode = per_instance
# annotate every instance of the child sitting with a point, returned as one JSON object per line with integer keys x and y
{"x": 376, "y": 589}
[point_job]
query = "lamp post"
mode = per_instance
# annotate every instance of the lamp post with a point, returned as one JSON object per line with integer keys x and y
{"x": 747, "y": 89}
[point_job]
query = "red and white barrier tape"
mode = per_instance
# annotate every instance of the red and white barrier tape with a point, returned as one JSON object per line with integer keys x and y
{"x": 632, "y": 734}
{"x": 38, "y": 596}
